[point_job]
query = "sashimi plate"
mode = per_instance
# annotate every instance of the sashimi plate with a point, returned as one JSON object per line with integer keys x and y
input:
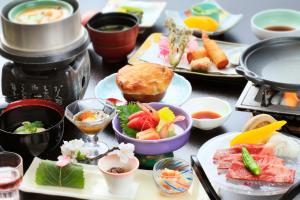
{"x": 205, "y": 156}
{"x": 107, "y": 88}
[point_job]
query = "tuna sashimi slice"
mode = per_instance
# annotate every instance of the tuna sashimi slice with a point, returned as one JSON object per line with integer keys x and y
{"x": 252, "y": 148}
{"x": 270, "y": 173}
{"x": 227, "y": 161}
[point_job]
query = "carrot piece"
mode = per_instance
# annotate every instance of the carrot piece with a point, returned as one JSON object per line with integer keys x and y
{"x": 215, "y": 53}
{"x": 291, "y": 99}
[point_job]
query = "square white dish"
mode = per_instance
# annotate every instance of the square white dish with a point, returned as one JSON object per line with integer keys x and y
{"x": 152, "y": 9}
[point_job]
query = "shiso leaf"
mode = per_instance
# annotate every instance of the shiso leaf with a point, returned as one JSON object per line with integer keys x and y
{"x": 49, "y": 174}
{"x": 124, "y": 112}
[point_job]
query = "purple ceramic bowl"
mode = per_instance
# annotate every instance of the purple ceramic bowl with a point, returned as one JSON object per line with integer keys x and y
{"x": 156, "y": 147}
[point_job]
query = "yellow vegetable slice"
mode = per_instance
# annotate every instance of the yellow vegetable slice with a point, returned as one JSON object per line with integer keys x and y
{"x": 203, "y": 23}
{"x": 259, "y": 135}
{"x": 166, "y": 114}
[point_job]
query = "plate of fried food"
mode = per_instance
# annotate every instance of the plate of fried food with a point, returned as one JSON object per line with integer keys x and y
{"x": 189, "y": 55}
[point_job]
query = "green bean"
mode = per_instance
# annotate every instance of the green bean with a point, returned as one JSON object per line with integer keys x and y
{"x": 250, "y": 163}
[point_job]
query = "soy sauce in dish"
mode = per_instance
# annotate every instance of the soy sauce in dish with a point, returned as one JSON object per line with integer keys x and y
{"x": 113, "y": 28}
{"x": 279, "y": 28}
{"x": 205, "y": 115}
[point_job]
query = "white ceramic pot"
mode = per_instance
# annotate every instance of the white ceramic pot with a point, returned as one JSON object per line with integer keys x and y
{"x": 119, "y": 184}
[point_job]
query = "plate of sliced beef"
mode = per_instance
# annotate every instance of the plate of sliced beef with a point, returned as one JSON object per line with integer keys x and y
{"x": 226, "y": 169}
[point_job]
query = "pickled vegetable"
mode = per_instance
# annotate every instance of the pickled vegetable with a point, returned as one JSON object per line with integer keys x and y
{"x": 259, "y": 135}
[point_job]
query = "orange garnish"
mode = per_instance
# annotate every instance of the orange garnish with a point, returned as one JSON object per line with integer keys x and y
{"x": 87, "y": 115}
{"x": 291, "y": 99}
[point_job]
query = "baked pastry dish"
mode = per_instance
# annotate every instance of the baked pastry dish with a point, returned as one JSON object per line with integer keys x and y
{"x": 145, "y": 82}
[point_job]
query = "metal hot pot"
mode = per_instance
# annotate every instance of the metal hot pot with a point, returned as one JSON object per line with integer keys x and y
{"x": 48, "y": 61}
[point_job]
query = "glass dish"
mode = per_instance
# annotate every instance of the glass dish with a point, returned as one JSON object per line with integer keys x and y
{"x": 173, "y": 185}
{"x": 91, "y": 127}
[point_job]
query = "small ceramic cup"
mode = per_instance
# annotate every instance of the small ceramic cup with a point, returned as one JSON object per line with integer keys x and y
{"x": 119, "y": 184}
{"x": 275, "y": 18}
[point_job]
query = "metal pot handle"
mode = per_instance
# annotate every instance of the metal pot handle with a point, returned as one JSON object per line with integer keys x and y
{"x": 210, "y": 191}
{"x": 292, "y": 192}
{"x": 249, "y": 75}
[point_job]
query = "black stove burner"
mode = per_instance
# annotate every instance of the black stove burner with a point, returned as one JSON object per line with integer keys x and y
{"x": 62, "y": 84}
{"x": 258, "y": 100}
{"x": 265, "y": 96}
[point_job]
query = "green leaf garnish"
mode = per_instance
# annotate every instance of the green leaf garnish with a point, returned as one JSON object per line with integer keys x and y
{"x": 49, "y": 174}
{"x": 210, "y": 11}
{"x": 124, "y": 112}
{"x": 30, "y": 127}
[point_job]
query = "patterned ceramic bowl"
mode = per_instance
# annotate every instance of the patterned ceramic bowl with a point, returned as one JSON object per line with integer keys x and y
{"x": 173, "y": 176}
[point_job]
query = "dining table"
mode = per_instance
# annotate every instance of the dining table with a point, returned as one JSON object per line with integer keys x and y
{"x": 201, "y": 87}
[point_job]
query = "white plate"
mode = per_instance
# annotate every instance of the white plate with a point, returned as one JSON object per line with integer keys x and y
{"x": 205, "y": 156}
{"x": 208, "y": 104}
{"x": 107, "y": 88}
{"x": 152, "y": 9}
{"x": 227, "y": 19}
{"x": 96, "y": 188}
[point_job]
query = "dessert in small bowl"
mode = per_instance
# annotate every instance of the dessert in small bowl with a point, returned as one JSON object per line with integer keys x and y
{"x": 276, "y": 23}
{"x": 207, "y": 112}
{"x": 145, "y": 82}
{"x": 154, "y": 128}
{"x": 118, "y": 168}
{"x": 173, "y": 176}
{"x": 91, "y": 116}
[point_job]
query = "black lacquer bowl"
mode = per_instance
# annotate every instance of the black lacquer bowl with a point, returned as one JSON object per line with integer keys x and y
{"x": 36, "y": 144}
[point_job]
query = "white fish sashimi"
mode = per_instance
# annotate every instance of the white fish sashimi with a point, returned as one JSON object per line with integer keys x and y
{"x": 285, "y": 146}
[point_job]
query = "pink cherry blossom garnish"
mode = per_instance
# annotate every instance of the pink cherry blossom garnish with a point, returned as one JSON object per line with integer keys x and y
{"x": 63, "y": 161}
{"x": 192, "y": 45}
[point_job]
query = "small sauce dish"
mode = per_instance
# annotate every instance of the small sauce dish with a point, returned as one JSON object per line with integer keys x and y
{"x": 207, "y": 112}
{"x": 276, "y": 23}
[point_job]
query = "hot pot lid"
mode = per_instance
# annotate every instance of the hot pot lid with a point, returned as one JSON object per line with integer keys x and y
{"x": 43, "y": 57}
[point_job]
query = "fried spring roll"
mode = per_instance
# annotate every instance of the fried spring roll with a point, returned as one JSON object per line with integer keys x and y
{"x": 193, "y": 55}
{"x": 214, "y": 52}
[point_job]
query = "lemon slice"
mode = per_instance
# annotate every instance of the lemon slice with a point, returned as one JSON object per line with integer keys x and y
{"x": 203, "y": 23}
{"x": 166, "y": 114}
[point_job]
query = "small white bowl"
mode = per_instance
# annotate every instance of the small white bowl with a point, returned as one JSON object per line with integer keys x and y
{"x": 208, "y": 104}
{"x": 119, "y": 184}
{"x": 275, "y": 17}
